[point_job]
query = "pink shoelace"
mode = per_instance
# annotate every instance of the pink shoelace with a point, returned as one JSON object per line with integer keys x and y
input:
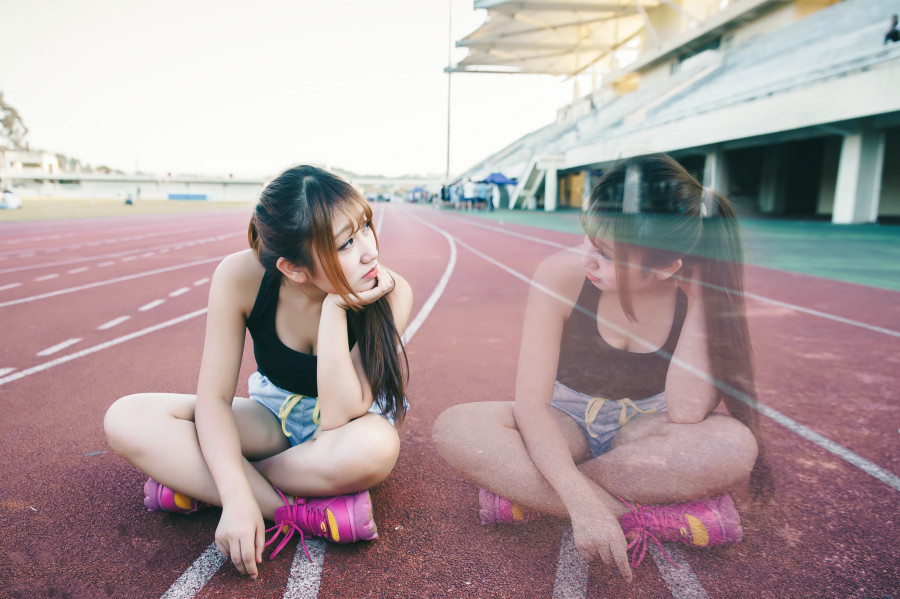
{"x": 287, "y": 527}
{"x": 641, "y": 533}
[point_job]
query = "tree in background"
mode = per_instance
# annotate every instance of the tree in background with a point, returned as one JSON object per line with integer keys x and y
{"x": 12, "y": 129}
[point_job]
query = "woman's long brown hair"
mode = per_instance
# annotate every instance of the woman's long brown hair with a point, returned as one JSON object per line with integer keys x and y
{"x": 651, "y": 206}
{"x": 293, "y": 219}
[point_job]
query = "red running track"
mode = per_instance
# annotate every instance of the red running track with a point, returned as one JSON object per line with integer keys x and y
{"x": 71, "y": 512}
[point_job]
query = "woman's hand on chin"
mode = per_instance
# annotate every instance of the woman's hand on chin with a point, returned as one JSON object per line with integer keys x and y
{"x": 384, "y": 284}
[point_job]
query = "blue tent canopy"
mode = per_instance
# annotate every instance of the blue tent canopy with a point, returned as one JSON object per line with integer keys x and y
{"x": 499, "y": 179}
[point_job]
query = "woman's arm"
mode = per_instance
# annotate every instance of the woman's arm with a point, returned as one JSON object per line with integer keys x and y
{"x": 597, "y": 532}
{"x": 689, "y": 397}
{"x": 240, "y": 530}
{"x": 344, "y": 389}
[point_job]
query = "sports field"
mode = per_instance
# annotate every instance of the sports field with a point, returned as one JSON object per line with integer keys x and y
{"x": 94, "y": 307}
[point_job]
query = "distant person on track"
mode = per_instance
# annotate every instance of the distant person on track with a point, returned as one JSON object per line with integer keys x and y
{"x": 629, "y": 346}
{"x": 893, "y": 34}
{"x": 318, "y": 428}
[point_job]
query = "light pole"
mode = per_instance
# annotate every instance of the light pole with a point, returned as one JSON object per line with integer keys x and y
{"x": 449, "y": 64}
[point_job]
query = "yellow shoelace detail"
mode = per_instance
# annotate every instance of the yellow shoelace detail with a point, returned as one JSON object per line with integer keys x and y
{"x": 596, "y": 404}
{"x": 289, "y": 402}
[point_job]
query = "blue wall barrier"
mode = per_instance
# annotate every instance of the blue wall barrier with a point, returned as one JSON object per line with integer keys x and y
{"x": 187, "y": 196}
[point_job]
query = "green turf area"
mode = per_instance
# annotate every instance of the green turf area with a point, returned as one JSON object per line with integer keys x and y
{"x": 864, "y": 254}
{"x": 54, "y": 209}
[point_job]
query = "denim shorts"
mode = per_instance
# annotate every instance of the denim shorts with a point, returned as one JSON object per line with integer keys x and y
{"x": 606, "y": 417}
{"x": 299, "y": 424}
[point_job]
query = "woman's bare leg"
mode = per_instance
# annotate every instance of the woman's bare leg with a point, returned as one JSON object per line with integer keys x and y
{"x": 651, "y": 461}
{"x": 156, "y": 433}
{"x": 348, "y": 459}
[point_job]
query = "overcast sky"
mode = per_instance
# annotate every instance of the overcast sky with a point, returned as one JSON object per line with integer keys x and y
{"x": 249, "y": 88}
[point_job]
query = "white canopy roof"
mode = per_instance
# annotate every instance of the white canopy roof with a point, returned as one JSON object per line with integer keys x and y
{"x": 557, "y": 37}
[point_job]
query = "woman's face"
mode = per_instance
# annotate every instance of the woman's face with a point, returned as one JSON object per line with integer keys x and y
{"x": 599, "y": 260}
{"x": 357, "y": 254}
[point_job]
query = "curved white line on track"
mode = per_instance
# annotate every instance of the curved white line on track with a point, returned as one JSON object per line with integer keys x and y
{"x": 305, "y": 578}
{"x": 761, "y": 298}
{"x": 110, "y": 281}
{"x": 888, "y": 478}
{"x": 684, "y": 580}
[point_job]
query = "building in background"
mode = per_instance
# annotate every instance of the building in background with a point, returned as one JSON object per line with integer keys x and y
{"x": 790, "y": 107}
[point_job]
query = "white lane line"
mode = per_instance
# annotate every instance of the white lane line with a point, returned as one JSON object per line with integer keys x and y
{"x": 148, "y": 254}
{"x": 151, "y": 305}
{"x": 107, "y": 263}
{"x": 77, "y": 270}
{"x": 58, "y": 347}
{"x": 417, "y": 322}
{"x": 201, "y": 281}
{"x": 310, "y": 576}
{"x": 888, "y": 478}
{"x": 303, "y": 582}
{"x": 92, "y": 258}
{"x": 112, "y": 323}
{"x": 46, "y": 277}
{"x": 10, "y": 286}
{"x": 129, "y": 258}
{"x": 195, "y": 578}
{"x": 762, "y": 298}
{"x": 571, "y": 569}
{"x": 90, "y": 350}
{"x": 5, "y": 371}
{"x": 180, "y": 291}
{"x": 110, "y": 281}
{"x": 25, "y": 255}
{"x": 379, "y": 222}
{"x": 679, "y": 577}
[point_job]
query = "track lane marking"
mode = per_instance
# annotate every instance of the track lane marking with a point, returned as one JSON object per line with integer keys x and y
{"x": 888, "y": 478}
{"x": 10, "y": 286}
{"x": 151, "y": 305}
{"x": 305, "y": 578}
{"x": 94, "y": 349}
{"x": 110, "y": 281}
{"x": 47, "y": 277}
{"x": 129, "y": 255}
{"x": 59, "y": 346}
{"x": 686, "y": 578}
{"x": 112, "y": 323}
{"x": 179, "y": 291}
{"x": 762, "y": 298}
{"x": 5, "y": 371}
{"x": 197, "y": 575}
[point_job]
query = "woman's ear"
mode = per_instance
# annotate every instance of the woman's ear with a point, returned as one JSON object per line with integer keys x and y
{"x": 298, "y": 274}
{"x": 665, "y": 272}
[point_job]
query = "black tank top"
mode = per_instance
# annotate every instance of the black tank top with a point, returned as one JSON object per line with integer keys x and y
{"x": 289, "y": 369}
{"x": 590, "y": 365}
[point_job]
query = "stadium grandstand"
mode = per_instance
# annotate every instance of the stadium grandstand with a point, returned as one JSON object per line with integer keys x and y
{"x": 791, "y": 107}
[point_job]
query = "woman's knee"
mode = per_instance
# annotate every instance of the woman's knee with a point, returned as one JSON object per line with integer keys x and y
{"x": 372, "y": 458}
{"x": 121, "y": 421}
{"x": 130, "y": 419}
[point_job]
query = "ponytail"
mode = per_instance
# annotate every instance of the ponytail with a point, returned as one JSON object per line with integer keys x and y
{"x": 730, "y": 350}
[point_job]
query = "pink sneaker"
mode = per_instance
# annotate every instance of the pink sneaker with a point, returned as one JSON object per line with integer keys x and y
{"x": 702, "y": 523}
{"x": 500, "y": 510}
{"x": 160, "y": 498}
{"x": 341, "y": 519}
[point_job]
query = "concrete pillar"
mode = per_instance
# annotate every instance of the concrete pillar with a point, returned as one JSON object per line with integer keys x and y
{"x": 771, "y": 195}
{"x": 551, "y": 188}
{"x": 859, "y": 178}
{"x": 586, "y": 189}
{"x": 715, "y": 172}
